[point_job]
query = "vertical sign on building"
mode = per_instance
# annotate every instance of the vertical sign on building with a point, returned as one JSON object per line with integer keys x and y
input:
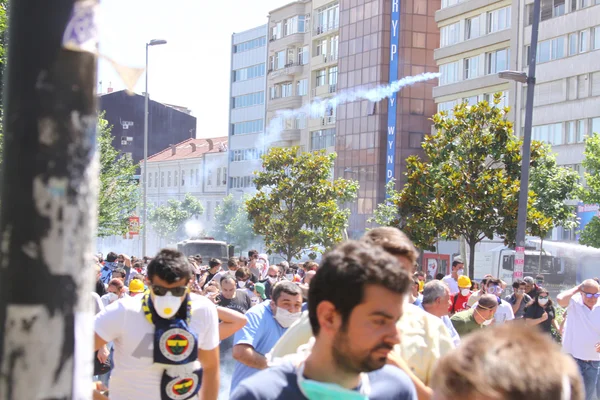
{"x": 390, "y": 162}
{"x": 519, "y": 262}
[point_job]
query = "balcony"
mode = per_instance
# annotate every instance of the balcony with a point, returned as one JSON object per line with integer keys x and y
{"x": 324, "y": 90}
{"x": 287, "y": 41}
{"x": 323, "y": 60}
{"x": 322, "y": 30}
{"x": 327, "y": 121}
{"x": 319, "y": 123}
{"x": 284, "y": 74}
{"x": 285, "y": 103}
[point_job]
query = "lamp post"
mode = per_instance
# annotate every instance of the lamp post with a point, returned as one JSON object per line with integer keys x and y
{"x": 526, "y": 156}
{"x": 153, "y": 42}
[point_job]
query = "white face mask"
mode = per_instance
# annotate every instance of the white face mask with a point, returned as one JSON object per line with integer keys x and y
{"x": 167, "y": 306}
{"x": 542, "y": 302}
{"x": 272, "y": 280}
{"x": 286, "y": 318}
{"x": 112, "y": 297}
{"x": 460, "y": 272}
{"x": 486, "y": 322}
{"x": 289, "y": 277}
{"x": 465, "y": 292}
{"x": 242, "y": 284}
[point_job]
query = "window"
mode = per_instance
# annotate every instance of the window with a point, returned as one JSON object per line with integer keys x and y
{"x": 571, "y": 131}
{"x": 209, "y": 177}
{"x": 150, "y": 180}
{"x": 498, "y": 20}
{"x": 321, "y": 77}
{"x": 224, "y": 176}
{"x": 300, "y": 122}
{"x": 543, "y": 52}
{"x": 582, "y": 86}
{"x": 449, "y": 3}
{"x": 471, "y": 67}
{"x": 558, "y": 48}
{"x": 276, "y": 31}
{"x": 249, "y": 45}
{"x": 218, "y": 176}
{"x": 162, "y": 179}
{"x": 328, "y": 18}
{"x": 497, "y": 61}
{"x": 241, "y": 128}
{"x": 156, "y": 179}
{"x": 286, "y": 90}
{"x": 249, "y": 100}
{"x": 280, "y": 59}
{"x": 595, "y": 125}
{"x": 596, "y": 38}
{"x": 302, "y": 87}
{"x": 333, "y": 75}
{"x": 449, "y": 73}
{"x": 558, "y": 8}
{"x": 447, "y": 106}
{"x": 548, "y": 50}
{"x": 551, "y": 134}
{"x": 415, "y": 140}
{"x": 580, "y": 131}
{"x": 252, "y": 72}
{"x": 450, "y": 34}
{"x": 572, "y": 88}
{"x": 322, "y": 139}
{"x": 169, "y": 179}
{"x": 183, "y": 178}
{"x": 583, "y": 39}
{"x": 333, "y": 47}
{"x": 175, "y": 179}
{"x": 595, "y": 84}
{"x": 321, "y": 48}
{"x": 303, "y": 55}
{"x": 573, "y": 44}
{"x": 472, "y": 29}
{"x": 245, "y": 155}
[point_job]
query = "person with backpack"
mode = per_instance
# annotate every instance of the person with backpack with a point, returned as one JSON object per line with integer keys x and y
{"x": 461, "y": 299}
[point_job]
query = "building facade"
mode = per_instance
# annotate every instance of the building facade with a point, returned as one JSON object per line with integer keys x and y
{"x": 195, "y": 166}
{"x": 247, "y": 107}
{"x": 166, "y": 124}
{"x": 379, "y": 39}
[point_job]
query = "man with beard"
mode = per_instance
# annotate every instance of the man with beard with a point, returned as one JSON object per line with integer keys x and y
{"x": 355, "y": 301}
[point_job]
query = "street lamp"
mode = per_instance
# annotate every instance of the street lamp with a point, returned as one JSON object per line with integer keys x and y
{"x": 153, "y": 42}
{"x": 526, "y": 157}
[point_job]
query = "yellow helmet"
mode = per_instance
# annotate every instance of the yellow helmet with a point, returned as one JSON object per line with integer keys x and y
{"x": 464, "y": 281}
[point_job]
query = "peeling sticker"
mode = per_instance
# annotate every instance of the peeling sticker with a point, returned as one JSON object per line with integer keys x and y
{"x": 47, "y": 130}
{"x": 81, "y": 33}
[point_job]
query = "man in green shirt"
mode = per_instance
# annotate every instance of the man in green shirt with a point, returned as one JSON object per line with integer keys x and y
{"x": 471, "y": 320}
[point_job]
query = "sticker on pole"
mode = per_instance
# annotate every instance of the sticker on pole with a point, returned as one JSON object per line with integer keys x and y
{"x": 81, "y": 33}
{"x": 519, "y": 262}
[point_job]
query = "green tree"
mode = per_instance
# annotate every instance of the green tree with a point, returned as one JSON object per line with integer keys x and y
{"x": 297, "y": 206}
{"x": 469, "y": 184}
{"x": 118, "y": 194}
{"x": 590, "y": 235}
{"x": 240, "y": 229}
{"x": 224, "y": 213}
{"x": 552, "y": 185}
{"x": 168, "y": 220}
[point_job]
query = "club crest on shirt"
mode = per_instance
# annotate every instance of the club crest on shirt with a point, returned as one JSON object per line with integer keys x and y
{"x": 176, "y": 344}
{"x": 182, "y": 388}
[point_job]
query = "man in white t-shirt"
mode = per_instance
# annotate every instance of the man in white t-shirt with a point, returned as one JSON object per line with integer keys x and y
{"x": 174, "y": 318}
{"x": 458, "y": 269}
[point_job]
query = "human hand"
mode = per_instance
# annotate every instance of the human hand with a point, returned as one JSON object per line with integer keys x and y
{"x": 597, "y": 347}
{"x": 544, "y": 316}
{"x": 103, "y": 354}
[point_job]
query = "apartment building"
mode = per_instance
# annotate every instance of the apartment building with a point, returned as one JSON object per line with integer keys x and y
{"x": 247, "y": 107}
{"x": 477, "y": 40}
{"x": 288, "y": 73}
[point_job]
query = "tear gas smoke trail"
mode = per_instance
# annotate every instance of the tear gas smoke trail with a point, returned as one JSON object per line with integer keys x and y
{"x": 317, "y": 108}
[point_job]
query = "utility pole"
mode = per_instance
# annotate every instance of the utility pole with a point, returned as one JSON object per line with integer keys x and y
{"x": 48, "y": 201}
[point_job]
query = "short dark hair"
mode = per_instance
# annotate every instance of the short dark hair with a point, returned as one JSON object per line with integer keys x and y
{"x": 119, "y": 271}
{"x": 346, "y": 271}
{"x": 494, "y": 281}
{"x": 116, "y": 283}
{"x": 214, "y": 262}
{"x": 517, "y": 283}
{"x": 138, "y": 264}
{"x": 439, "y": 276}
{"x": 139, "y": 276}
{"x": 393, "y": 241}
{"x": 111, "y": 257}
{"x": 232, "y": 262}
{"x": 242, "y": 272}
{"x": 285, "y": 287}
{"x": 243, "y": 260}
{"x": 252, "y": 253}
{"x": 456, "y": 262}
{"x": 171, "y": 266}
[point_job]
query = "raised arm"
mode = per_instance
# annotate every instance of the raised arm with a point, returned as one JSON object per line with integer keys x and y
{"x": 564, "y": 298}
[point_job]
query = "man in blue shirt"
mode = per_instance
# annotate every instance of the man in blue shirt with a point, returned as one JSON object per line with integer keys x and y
{"x": 267, "y": 322}
{"x": 355, "y": 300}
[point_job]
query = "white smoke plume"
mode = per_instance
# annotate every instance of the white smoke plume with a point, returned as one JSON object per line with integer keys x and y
{"x": 318, "y": 107}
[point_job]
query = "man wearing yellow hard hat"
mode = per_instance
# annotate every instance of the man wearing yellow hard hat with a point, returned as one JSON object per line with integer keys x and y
{"x": 136, "y": 288}
{"x": 461, "y": 299}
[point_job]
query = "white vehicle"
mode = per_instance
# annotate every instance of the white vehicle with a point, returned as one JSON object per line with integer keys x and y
{"x": 206, "y": 247}
{"x": 499, "y": 262}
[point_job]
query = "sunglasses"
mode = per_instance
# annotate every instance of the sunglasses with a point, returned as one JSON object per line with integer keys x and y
{"x": 162, "y": 291}
{"x": 543, "y": 297}
{"x": 591, "y": 295}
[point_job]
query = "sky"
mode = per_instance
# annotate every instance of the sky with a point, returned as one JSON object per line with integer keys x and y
{"x": 192, "y": 69}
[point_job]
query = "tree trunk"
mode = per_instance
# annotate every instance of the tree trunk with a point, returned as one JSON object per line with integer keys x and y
{"x": 48, "y": 205}
{"x": 472, "y": 245}
{"x": 540, "y": 257}
{"x": 463, "y": 251}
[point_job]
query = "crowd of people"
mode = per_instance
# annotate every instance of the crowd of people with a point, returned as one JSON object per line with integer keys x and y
{"x": 361, "y": 324}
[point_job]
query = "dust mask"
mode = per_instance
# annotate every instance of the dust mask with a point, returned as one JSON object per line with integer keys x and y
{"x": 167, "y": 306}
{"x": 286, "y": 318}
{"x": 465, "y": 292}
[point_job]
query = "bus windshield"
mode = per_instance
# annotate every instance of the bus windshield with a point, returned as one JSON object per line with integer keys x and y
{"x": 206, "y": 250}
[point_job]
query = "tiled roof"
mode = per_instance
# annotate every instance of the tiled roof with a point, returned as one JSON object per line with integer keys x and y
{"x": 191, "y": 148}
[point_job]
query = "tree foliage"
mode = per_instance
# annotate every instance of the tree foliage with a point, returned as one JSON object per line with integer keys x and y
{"x": 168, "y": 220}
{"x": 232, "y": 223}
{"x": 590, "y": 235}
{"x": 297, "y": 206}
{"x": 468, "y": 184}
{"x": 224, "y": 213}
{"x": 118, "y": 194}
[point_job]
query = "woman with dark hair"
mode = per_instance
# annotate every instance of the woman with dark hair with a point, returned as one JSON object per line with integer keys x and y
{"x": 541, "y": 312}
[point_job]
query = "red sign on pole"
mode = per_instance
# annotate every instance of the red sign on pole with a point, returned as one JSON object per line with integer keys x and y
{"x": 134, "y": 226}
{"x": 519, "y": 263}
